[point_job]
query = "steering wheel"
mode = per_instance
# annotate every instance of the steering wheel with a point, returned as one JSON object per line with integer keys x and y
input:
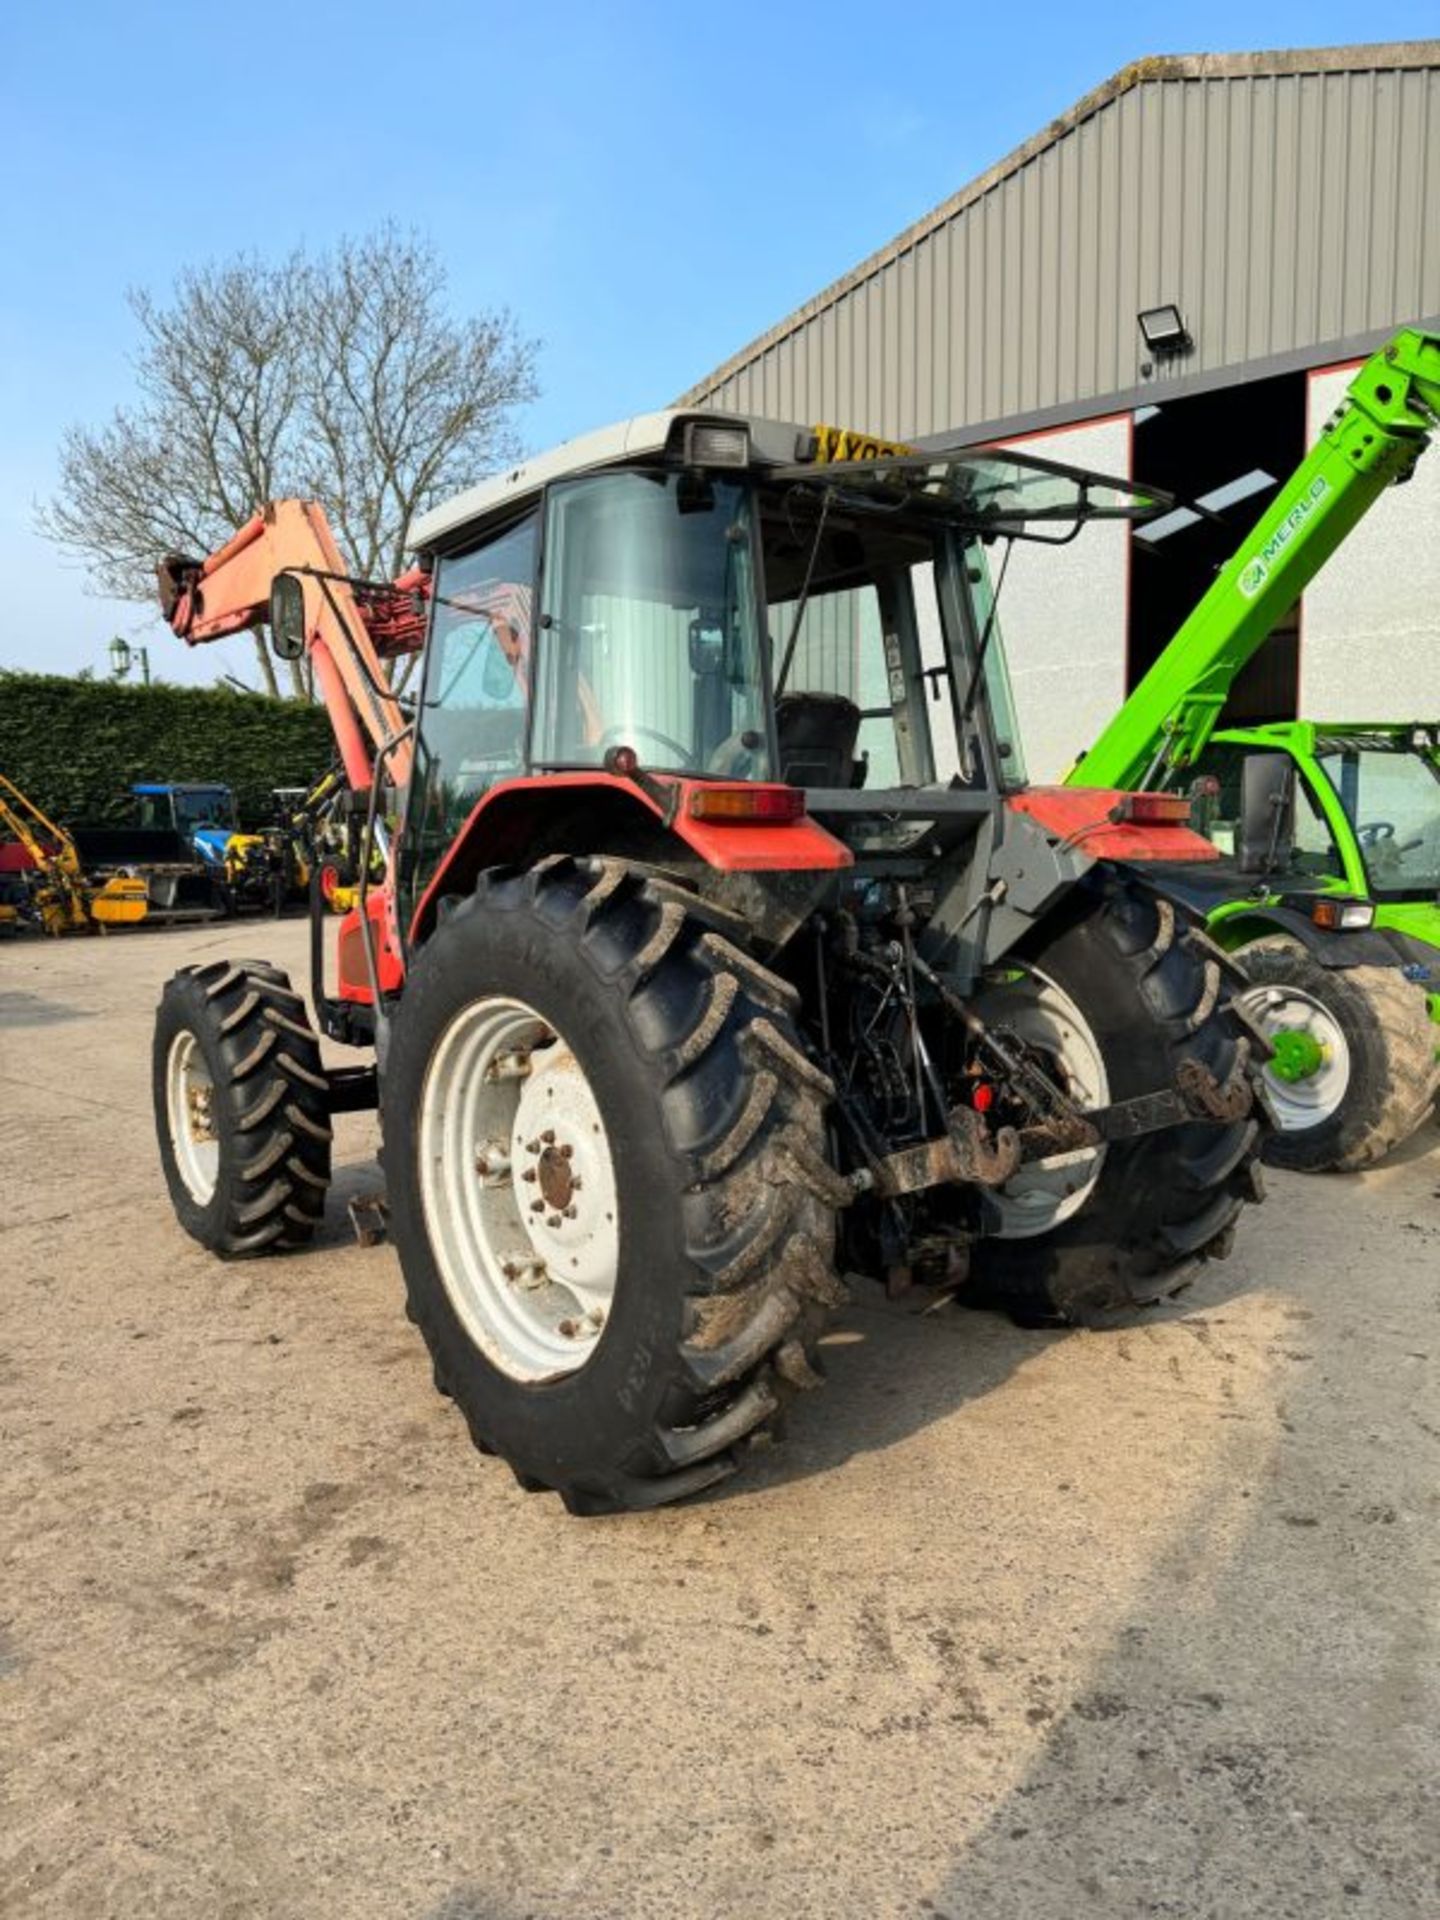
{"x": 619, "y": 736}
{"x": 1373, "y": 832}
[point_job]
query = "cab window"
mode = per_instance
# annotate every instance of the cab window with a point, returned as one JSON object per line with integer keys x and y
{"x": 474, "y": 698}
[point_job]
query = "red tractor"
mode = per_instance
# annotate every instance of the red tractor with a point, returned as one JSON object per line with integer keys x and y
{"x": 722, "y": 949}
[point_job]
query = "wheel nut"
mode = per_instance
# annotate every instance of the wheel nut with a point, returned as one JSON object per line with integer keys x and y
{"x": 569, "y": 1213}
{"x": 537, "y": 1206}
{"x": 528, "y": 1174}
{"x": 553, "y": 1221}
{"x": 568, "y": 1152}
{"x": 548, "y": 1136}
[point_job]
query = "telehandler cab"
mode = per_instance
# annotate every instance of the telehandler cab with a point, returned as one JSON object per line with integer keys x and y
{"x": 721, "y": 949}
{"x": 1329, "y": 892}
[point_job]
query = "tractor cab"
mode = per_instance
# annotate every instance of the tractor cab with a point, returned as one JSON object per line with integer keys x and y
{"x": 718, "y": 599}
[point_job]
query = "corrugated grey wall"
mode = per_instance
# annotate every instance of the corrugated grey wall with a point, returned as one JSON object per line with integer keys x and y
{"x": 1281, "y": 210}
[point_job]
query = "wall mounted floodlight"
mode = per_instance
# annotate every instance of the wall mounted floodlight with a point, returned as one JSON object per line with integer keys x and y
{"x": 1163, "y": 330}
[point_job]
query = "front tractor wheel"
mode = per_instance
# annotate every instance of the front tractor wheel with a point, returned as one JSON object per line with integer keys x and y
{"x": 605, "y": 1154}
{"x": 1111, "y": 1000}
{"x": 1354, "y": 1070}
{"x": 242, "y": 1108}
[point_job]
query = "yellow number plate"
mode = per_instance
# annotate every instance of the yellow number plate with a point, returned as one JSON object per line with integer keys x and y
{"x": 834, "y": 444}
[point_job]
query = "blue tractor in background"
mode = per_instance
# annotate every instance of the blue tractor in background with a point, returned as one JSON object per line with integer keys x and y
{"x": 202, "y": 816}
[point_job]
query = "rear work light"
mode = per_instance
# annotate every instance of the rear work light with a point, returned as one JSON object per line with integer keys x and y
{"x": 1340, "y": 915}
{"x": 713, "y": 443}
{"x": 760, "y": 806}
{"x": 1152, "y": 810}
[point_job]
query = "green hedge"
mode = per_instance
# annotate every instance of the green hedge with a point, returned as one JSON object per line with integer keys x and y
{"x": 75, "y": 746}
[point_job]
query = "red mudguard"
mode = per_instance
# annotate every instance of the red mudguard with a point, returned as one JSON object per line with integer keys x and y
{"x": 1081, "y": 817}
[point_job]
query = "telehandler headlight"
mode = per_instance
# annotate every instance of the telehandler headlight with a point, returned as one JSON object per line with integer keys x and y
{"x": 1340, "y": 916}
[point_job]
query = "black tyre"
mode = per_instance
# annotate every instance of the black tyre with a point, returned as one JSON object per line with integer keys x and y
{"x": 242, "y": 1108}
{"x": 1145, "y": 989}
{"x": 1354, "y": 1070}
{"x": 617, "y": 1300}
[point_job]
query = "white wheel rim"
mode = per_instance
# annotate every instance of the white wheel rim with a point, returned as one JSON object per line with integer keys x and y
{"x": 508, "y": 1119}
{"x": 1298, "y": 1104}
{"x": 1045, "y": 1193}
{"x": 190, "y": 1104}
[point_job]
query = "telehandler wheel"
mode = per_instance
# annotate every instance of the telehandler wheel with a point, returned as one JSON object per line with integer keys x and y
{"x": 1112, "y": 997}
{"x": 1354, "y": 1071}
{"x": 242, "y": 1108}
{"x": 605, "y": 1152}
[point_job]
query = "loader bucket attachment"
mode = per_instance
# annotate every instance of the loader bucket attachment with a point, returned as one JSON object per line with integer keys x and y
{"x": 121, "y": 902}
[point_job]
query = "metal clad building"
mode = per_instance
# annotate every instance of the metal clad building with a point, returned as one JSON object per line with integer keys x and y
{"x": 1285, "y": 201}
{"x": 1288, "y": 204}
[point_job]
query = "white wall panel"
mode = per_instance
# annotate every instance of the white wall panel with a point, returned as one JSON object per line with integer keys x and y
{"x": 1062, "y": 613}
{"x": 1370, "y": 626}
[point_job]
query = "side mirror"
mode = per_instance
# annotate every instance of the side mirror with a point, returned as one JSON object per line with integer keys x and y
{"x": 1267, "y": 812}
{"x": 707, "y": 646}
{"x": 287, "y": 617}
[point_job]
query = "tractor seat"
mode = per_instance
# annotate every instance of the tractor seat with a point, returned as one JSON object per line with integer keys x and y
{"x": 816, "y": 733}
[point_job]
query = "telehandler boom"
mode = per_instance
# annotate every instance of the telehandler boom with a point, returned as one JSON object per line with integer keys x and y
{"x": 1337, "y": 921}
{"x": 1370, "y": 443}
{"x": 690, "y": 984}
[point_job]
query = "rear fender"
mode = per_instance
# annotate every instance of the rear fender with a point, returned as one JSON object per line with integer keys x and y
{"x": 1081, "y": 818}
{"x": 598, "y": 813}
{"x": 1360, "y": 947}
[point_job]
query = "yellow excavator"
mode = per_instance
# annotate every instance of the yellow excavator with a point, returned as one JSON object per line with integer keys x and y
{"x": 45, "y": 883}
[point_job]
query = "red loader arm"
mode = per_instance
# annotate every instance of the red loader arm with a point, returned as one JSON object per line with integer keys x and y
{"x": 351, "y": 627}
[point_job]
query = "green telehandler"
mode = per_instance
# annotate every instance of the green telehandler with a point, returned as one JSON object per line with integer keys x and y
{"x": 1328, "y": 894}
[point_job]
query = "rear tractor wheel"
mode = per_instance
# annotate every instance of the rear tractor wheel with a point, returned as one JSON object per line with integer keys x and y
{"x": 605, "y": 1156}
{"x": 1111, "y": 1000}
{"x": 242, "y": 1108}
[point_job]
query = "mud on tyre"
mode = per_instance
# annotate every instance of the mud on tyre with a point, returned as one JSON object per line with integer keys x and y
{"x": 672, "y": 1061}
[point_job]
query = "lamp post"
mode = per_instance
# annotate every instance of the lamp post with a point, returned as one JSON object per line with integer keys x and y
{"x": 123, "y": 656}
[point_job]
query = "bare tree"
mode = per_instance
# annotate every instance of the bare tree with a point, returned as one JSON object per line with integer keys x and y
{"x": 343, "y": 378}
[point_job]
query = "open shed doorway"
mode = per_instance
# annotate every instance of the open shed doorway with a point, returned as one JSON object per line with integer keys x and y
{"x": 1228, "y": 450}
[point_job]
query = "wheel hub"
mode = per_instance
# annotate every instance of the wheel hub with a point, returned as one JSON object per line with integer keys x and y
{"x": 190, "y": 1106}
{"x": 1299, "y": 1055}
{"x": 564, "y": 1186}
{"x": 556, "y": 1181}
{"x": 519, "y": 1190}
{"x": 1308, "y": 1076}
{"x": 1042, "y": 1018}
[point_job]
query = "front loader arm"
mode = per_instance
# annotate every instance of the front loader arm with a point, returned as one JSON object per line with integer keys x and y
{"x": 50, "y": 847}
{"x": 1379, "y": 431}
{"x": 349, "y": 628}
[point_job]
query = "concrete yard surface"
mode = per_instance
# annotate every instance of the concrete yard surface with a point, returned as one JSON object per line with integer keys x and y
{"x": 1014, "y": 1624}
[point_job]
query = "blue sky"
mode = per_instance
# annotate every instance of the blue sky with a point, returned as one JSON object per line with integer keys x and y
{"x": 647, "y": 186}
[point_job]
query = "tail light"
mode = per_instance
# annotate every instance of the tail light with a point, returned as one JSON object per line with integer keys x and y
{"x": 1152, "y": 810}
{"x": 763, "y": 806}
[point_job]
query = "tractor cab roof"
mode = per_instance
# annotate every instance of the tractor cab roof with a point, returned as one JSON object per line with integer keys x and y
{"x": 995, "y": 490}
{"x": 647, "y": 436}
